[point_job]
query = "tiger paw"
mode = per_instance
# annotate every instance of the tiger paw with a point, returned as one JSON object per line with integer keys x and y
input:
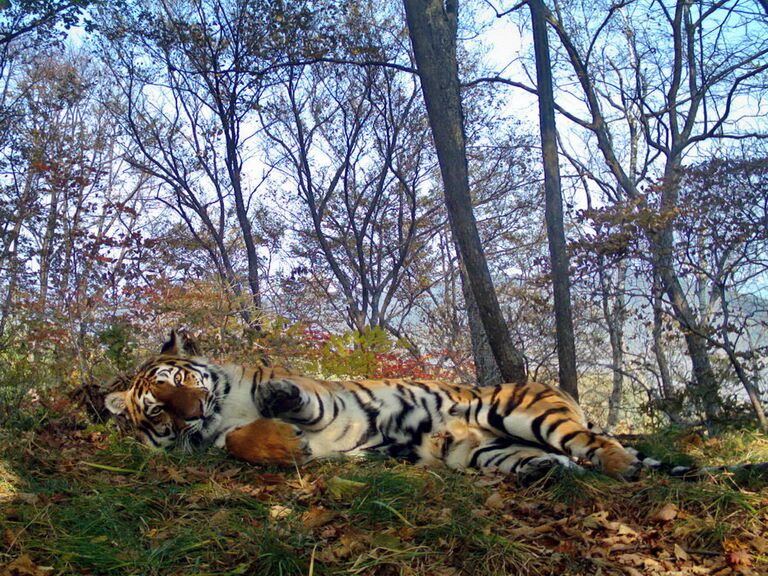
{"x": 280, "y": 398}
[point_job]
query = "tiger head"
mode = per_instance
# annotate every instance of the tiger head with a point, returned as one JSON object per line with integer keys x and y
{"x": 173, "y": 399}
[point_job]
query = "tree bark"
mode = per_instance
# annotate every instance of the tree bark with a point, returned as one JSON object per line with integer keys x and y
{"x": 615, "y": 315}
{"x": 706, "y": 392}
{"x": 432, "y": 26}
{"x": 553, "y": 206}
{"x": 667, "y": 389}
{"x": 486, "y": 369}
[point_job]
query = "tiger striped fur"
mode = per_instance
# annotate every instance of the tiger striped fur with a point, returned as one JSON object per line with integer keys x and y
{"x": 268, "y": 415}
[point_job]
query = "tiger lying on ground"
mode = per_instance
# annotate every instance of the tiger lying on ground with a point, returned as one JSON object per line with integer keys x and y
{"x": 268, "y": 415}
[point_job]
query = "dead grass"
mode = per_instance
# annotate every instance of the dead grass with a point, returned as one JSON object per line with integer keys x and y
{"x": 85, "y": 501}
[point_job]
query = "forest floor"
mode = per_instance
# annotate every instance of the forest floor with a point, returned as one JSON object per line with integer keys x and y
{"x": 78, "y": 499}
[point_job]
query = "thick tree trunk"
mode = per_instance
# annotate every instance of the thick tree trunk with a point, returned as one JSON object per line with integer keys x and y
{"x": 558, "y": 254}
{"x": 432, "y": 26}
{"x": 486, "y": 369}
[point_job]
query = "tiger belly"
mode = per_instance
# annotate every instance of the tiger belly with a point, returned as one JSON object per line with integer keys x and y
{"x": 340, "y": 419}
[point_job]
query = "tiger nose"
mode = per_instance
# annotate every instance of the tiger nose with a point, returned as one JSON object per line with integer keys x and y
{"x": 186, "y": 403}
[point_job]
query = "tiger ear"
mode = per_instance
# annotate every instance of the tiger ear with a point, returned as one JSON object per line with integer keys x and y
{"x": 116, "y": 402}
{"x": 179, "y": 345}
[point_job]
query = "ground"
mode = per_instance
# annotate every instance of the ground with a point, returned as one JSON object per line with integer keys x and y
{"x": 77, "y": 499}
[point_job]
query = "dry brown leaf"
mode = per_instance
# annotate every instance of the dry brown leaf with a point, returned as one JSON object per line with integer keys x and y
{"x": 24, "y": 566}
{"x": 596, "y": 520}
{"x": 738, "y": 558}
{"x": 278, "y": 512}
{"x": 316, "y": 517}
{"x": 650, "y": 564}
{"x": 494, "y": 501}
{"x": 759, "y": 543}
{"x": 681, "y": 554}
{"x": 535, "y": 530}
{"x": 230, "y": 472}
{"x": 620, "y": 541}
{"x": 630, "y": 559}
{"x": 350, "y": 543}
{"x": 195, "y": 473}
{"x": 9, "y": 537}
{"x": 600, "y": 520}
{"x": 666, "y": 513}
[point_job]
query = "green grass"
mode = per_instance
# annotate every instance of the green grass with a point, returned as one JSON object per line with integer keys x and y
{"x": 87, "y": 501}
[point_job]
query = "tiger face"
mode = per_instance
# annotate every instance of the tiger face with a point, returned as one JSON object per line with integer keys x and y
{"x": 172, "y": 400}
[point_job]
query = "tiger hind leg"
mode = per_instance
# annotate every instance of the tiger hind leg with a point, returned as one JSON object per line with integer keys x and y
{"x": 604, "y": 452}
{"x": 527, "y": 461}
{"x": 268, "y": 442}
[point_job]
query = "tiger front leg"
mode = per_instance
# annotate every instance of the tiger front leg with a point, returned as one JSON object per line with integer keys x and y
{"x": 288, "y": 399}
{"x": 268, "y": 442}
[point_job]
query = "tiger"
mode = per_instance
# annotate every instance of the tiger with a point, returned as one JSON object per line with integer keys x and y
{"x": 269, "y": 415}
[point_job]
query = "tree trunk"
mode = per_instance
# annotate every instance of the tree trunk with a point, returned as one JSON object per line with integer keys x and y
{"x": 486, "y": 369}
{"x": 234, "y": 168}
{"x": 667, "y": 389}
{"x": 615, "y": 316}
{"x": 752, "y": 389}
{"x": 561, "y": 287}
{"x": 704, "y": 390}
{"x": 432, "y": 26}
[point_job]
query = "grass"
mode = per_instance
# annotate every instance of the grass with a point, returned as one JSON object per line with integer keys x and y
{"x": 83, "y": 500}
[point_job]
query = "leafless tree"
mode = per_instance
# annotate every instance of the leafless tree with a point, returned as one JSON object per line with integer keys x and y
{"x": 352, "y": 144}
{"x": 432, "y": 25}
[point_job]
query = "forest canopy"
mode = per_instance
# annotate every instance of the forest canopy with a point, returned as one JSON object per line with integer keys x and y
{"x": 265, "y": 175}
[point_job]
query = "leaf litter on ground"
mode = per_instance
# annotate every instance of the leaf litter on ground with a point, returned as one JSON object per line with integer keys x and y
{"x": 85, "y": 501}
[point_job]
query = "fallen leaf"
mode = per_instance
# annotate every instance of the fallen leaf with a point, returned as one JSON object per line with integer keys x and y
{"x": 681, "y": 554}
{"x": 349, "y": 543}
{"x": 666, "y": 513}
{"x": 9, "y": 537}
{"x": 230, "y": 472}
{"x": 596, "y": 520}
{"x": 600, "y": 520}
{"x": 630, "y": 559}
{"x": 342, "y": 488}
{"x": 738, "y": 558}
{"x": 652, "y": 564}
{"x": 278, "y": 512}
{"x": 197, "y": 473}
{"x": 23, "y": 566}
{"x": 316, "y": 517}
{"x": 386, "y": 541}
{"x": 494, "y": 501}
